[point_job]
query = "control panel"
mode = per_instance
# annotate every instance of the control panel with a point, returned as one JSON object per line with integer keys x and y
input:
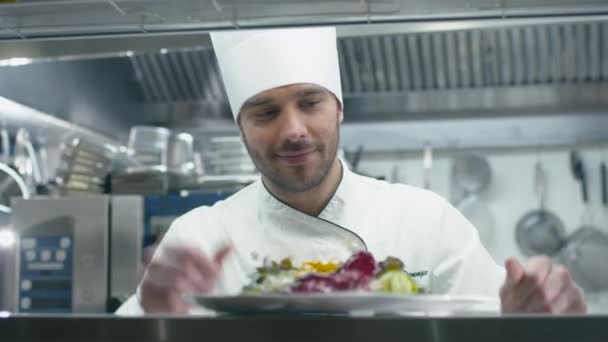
{"x": 45, "y": 281}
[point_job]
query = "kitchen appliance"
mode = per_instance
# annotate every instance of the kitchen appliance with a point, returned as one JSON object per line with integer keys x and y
{"x": 149, "y": 145}
{"x": 83, "y": 167}
{"x": 84, "y": 254}
{"x": 227, "y": 155}
{"x": 62, "y": 256}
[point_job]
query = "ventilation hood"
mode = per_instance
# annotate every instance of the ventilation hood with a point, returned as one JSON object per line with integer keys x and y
{"x": 557, "y": 65}
{"x": 28, "y": 19}
{"x": 419, "y": 61}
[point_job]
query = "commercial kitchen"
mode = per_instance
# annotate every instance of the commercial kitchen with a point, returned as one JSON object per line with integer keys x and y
{"x": 117, "y": 117}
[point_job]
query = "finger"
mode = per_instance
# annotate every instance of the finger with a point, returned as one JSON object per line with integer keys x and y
{"x": 540, "y": 265}
{"x": 515, "y": 271}
{"x": 566, "y": 299}
{"x": 179, "y": 256}
{"x": 192, "y": 273}
{"x": 578, "y": 304}
{"x": 177, "y": 304}
{"x": 206, "y": 266}
{"x": 557, "y": 281}
{"x": 199, "y": 271}
{"x": 524, "y": 294}
{"x": 223, "y": 253}
{"x": 162, "y": 275}
{"x": 156, "y": 299}
{"x": 536, "y": 273}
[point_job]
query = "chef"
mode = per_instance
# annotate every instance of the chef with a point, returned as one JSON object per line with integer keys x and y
{"x": 285, "y": 94}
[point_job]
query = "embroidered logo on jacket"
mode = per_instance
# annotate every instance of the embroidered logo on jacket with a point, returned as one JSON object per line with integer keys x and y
{"x": 419, "y": 274}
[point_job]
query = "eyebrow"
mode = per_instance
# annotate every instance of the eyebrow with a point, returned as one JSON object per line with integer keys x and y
{"x": 257, "y": 102}
{"x": 267, "y": 101}
{"x": 311, "y": 91}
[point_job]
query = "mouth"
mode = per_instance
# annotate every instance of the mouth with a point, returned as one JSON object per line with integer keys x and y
{"x": 296, "y": 158}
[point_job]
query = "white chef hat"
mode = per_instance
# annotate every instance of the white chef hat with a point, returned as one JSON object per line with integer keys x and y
{"x": 253, "y": 61}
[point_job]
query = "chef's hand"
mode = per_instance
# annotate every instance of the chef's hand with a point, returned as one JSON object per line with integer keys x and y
{"x": 540, "y": 287}
{"x": 178, "y": 271}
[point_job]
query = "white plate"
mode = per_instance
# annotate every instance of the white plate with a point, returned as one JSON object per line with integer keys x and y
{"x": 349, "y": 302}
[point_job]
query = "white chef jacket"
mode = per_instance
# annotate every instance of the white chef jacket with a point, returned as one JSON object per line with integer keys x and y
{"x": 436, "y": 243}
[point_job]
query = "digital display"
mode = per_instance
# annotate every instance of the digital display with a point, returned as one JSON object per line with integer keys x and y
{"x": 51, "y": 284}
{"x": 49, "y": 303}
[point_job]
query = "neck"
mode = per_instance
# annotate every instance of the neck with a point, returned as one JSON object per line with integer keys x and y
{"x": 312, "y": 201}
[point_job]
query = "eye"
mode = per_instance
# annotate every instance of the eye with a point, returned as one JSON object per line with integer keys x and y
{"x": 265, "y": 115}
{"x": 310, "y": 103}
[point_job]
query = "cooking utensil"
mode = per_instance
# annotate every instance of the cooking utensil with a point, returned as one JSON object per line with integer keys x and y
{"x": 181, "y": 153}
{"x": 357, "y": 158}
{"x": 398, "y": 174}
{"x": 586, "y": 251}
{"x": 226, "y": 155}
{"x": 578, "y": 170}
{"x": 585, "y": 255}
{"x": 427, "y": 162}
{"x": 604, "y": 182}
{"x": 471, "y": 175}
{"x": 26, "y": 159}
{"x": 6, "y": 146}
{"x": 12, "y": 185}
{"x": 580, "y": 173}
{"x": 480, "y": 217}
{"x": 149, "y": 144}
{"x": 355, "y": 161}
{"x": 540, "y": 232}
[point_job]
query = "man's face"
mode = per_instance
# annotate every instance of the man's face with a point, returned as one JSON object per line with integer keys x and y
{"x": 291, "y": 134}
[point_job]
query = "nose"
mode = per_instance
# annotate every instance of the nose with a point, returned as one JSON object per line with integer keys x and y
{"x": 293, "y": 124}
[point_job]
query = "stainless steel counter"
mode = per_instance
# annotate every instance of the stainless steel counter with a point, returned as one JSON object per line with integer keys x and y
{"x": 305, "y": 328}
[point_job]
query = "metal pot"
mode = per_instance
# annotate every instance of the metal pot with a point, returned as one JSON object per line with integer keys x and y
{"x": 540, "y": 232}
{"x": 471, "y": 175}
{"x": 586, "y": 250}
{"x": 585, "y": 255}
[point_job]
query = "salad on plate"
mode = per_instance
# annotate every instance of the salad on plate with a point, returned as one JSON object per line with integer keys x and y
{"x": 361, "y": 273}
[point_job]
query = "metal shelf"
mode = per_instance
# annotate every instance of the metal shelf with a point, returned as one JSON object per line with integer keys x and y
{"x": 47, "y": 128}
{"x": 528, "y": 129}
{"x": 28, "y": 19}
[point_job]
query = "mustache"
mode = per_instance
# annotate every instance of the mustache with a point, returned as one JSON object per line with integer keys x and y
{"x": 295, "y": 146}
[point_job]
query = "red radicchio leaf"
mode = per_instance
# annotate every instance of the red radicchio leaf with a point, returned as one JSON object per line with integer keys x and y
{"x": 355, "y": 274}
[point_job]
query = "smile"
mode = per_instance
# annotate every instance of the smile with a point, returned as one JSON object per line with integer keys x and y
{"x": 298, "y": 158}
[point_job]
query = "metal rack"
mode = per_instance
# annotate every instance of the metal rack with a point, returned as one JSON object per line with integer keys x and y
{"x": 48, "y": 128}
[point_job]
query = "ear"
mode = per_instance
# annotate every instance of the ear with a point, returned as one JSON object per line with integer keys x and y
{"x": 340, "y": 111}
{"x": 241, "y": 134}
